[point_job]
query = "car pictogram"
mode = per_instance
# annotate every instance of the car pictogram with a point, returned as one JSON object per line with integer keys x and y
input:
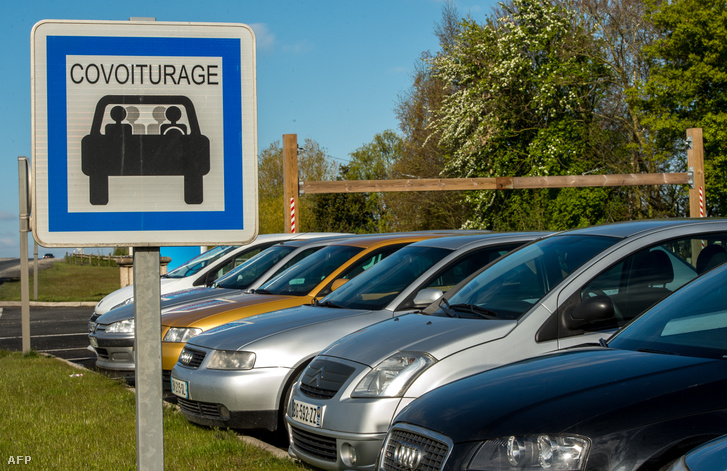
{"x": 139, "y": 135}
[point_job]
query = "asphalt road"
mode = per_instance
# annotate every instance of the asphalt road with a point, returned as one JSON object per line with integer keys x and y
{"x": 60, "y": 331}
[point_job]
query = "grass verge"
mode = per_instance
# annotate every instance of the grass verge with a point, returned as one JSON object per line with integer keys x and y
{"x": 66, "y": 422}
{"x": 67, "y": 282}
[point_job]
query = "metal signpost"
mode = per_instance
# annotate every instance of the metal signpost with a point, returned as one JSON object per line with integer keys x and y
{"x": 144, "y": 135}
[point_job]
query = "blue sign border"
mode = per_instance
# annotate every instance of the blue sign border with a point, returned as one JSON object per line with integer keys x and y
{"x": 59, "y": 218}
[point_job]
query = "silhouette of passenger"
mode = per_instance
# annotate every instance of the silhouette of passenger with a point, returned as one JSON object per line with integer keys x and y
{"x": 132, "y": 115}
{"x": 173, "y": 114}
{"x": 118, "y": 113}
{"x": 159, "y": 116}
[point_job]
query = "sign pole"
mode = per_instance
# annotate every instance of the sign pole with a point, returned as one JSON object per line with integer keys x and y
{"x": 148, "y": 360}
{"x": 24, "y": 228}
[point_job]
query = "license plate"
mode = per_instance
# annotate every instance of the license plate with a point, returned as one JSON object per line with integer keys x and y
{"x": 179, "y": 388}
{"x": 307, "y": 413}
{"x": 94, "y": 342}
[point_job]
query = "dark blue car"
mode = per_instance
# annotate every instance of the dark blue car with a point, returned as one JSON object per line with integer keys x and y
{"x": 639, "y": 401}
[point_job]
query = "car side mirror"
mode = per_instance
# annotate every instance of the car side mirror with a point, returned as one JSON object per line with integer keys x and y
{"x": 427, "y": 296}
{"x": 337, "y": 283}
{"x": 597, "y": 308}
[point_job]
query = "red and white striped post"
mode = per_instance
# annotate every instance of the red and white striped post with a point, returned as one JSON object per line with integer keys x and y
{"x": 292, "y": 215}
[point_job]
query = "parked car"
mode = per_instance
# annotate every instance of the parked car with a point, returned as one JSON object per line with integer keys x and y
{"x": 636, "y": 403}
{"x": 204, "y": 269}
{"x": 239, "y": 375}
{"x": 112, "y": 335}
{"x": 558, "y": 292}
{"x": 712, "y": 456}
{"x": 314, "y": 277}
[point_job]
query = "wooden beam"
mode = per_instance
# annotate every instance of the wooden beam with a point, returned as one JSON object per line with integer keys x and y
{"x": 501, "y": 183}
{"x": 290, "y": 179}
{"x": 695, "y": 161}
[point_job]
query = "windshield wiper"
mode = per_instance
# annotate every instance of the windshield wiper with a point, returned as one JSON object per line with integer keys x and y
{"x": 444, "y": 304}
{"x": 326, "y": 304}
{"x": 602, "y": 343}
{"x": 476, "y": 310}
{"x": 260, "y": 291}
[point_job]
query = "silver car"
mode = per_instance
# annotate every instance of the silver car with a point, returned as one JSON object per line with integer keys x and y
{"x": 566, "y": 289}
{"x": 112, "y": 334}
{"x": 239, "y": 375}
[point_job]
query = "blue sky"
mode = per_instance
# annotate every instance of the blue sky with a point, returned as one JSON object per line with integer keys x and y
{"x": 328, "y": 70}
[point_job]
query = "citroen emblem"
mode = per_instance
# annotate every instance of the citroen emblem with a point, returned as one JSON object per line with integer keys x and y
{"x": 407, "y": 455}
{"x": 317, "y": 377}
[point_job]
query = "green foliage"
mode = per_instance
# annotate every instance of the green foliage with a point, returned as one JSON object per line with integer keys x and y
{"x": 524, "y": 90}
{"x": 687, "y": 87}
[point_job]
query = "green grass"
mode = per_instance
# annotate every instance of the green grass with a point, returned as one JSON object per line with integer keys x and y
{"x": 67, "y": 282}
{"x": 65, "y": 422}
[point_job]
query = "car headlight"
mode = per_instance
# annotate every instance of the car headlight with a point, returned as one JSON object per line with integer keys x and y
{"x": 225, "y": 360}
{"x": 181, "y": 334}
{"x": 532, "y": 452}
{"x": 125, "y": 326}
{"x": 392, "y": 377}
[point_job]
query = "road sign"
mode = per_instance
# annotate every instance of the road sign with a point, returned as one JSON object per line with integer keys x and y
{"x": 144, "y": 133}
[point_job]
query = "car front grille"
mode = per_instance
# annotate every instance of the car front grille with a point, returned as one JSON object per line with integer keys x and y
{"x": 199, "y": 408}
{"x": 322, "y": 379}
{"x": 318, "y": 446}
{"x": 191, "y": 358}
{"x": 409, "y": 448}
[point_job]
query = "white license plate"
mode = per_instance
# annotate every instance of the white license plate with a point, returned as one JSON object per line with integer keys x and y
{"x": 94, "y": 342}
{"x": 307, "y": 413}
{"x": 179, "y": 388}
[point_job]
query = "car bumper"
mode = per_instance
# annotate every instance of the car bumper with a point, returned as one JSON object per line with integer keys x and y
{"x": 113, "y": 353}
{"x": 248, "y": 399}
{"x": 351, "y": 435}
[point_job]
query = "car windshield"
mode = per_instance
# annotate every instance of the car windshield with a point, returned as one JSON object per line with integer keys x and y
{"x": 375, "y": 287}
{"x": 510, "y": 287}
{"x": 681, "y": 326}
{"x": 244, "y": 275}
{"x": 200, "y": 261}
{"x": 302, "y": 277}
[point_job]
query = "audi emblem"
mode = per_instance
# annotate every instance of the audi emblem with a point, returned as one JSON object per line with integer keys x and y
{"x": 186, "y": 357}
{"x": 407, "y": 456}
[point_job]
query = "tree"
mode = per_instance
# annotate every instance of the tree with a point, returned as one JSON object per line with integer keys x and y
{"x": 687, "y": 87}
{"x": 524, "y": 88}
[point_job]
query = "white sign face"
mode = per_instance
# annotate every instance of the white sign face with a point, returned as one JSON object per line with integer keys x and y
{"x": 144, "y": 134}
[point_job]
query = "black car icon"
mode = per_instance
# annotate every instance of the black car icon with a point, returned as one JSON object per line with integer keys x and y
{"x": 122, "y": 144}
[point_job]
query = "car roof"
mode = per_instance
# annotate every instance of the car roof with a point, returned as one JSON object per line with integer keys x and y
{"x": 374, "y": 240}
{"x": 460, "y": 241}
{"x": 637, "y": 228}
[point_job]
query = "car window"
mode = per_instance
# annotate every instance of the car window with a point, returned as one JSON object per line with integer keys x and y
{"x": 641, "y": 280}
{"x": 682, "y": 326}
{"x": 466, "y": 265}
{"x": 234, "y": 262}
{"x": 364, "y": 264}
{"x": 246, "y": 273}
{"x": 199, "y": 262}
{"x": 301, "y": 278}
{"x": 510, "y": 287}
{"x": 378, "y": 285}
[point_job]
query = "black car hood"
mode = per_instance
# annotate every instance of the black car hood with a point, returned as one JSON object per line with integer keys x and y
{"x": 594, "y": 391}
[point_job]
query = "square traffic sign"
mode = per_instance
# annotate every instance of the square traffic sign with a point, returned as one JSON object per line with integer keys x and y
{"x": 144, "y": 133}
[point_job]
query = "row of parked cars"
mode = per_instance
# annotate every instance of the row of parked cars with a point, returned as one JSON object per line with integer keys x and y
{"x": 450, "y": 350}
